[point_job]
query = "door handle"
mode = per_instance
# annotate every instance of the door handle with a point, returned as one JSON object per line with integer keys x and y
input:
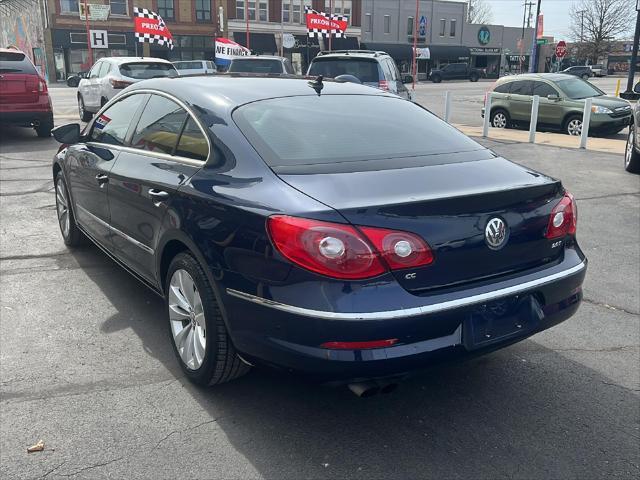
{"x": 158, "y": 195}
{"x": 101, "y": 178}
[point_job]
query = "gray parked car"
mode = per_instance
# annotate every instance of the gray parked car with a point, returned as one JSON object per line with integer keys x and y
{"x": 269, "y": 64}
{"x": 632, "y": 151}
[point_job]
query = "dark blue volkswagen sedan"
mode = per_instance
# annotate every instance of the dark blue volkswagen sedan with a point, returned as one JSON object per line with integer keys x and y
{"x": 325, "y": 228}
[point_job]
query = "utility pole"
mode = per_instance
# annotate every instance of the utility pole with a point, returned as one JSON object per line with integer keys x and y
{"x": 533, "y": 64}
{"x": 526, "y": 16}
{"x": 86, "y": 22}
{"x": 629, "y": 94}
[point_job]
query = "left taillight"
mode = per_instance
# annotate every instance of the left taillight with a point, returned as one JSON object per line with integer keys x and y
{"x": 42, "y": 86}
{"x": 563, "y": 219}
{"x": 343, "y": 251}
{"x": 119, "y": 83}
{"x": 383, "y": 85}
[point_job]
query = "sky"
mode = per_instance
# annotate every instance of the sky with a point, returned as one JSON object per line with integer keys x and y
{"x": 556, "y": 15}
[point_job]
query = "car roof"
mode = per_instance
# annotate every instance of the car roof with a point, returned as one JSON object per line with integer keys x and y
{"x": 10, "y": 50}
{"x": 259, "y": 57}
{"x": 553, "y": 77}
{"x": 123, "y": 60}
{"x": 352, "y": 54}
{"x": 228, "y": 91}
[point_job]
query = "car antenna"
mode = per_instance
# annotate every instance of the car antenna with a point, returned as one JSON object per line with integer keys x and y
{"x": 317, "y": 84}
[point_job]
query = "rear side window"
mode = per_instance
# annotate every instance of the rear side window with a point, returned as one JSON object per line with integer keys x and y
{"x": 188, "y": 65}
{"x": 159, "y": 126}
{"x": 522, "y": 87}
{"x": 332, "y": 129}
{"x": 112, "y": 125}
{"x": 255, "y": 66}
{"x": 363, "y": 69}
{"x": 104, "y": 69}
{"x": 144, "y": 70}
{"x": 16, "y": 62}
{"x": 503, "y": 88}
{"x": 192, "y": 143}
{"x": 543, "y": 89}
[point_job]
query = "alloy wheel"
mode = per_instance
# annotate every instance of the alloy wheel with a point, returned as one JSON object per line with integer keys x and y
{"x": 62, "y": 205}
{"x": 186, "y": 315}
{"x": 574, "y": 127}
{"x": 499, "y": 120}
{"x": 629, "y": 150}
{"x": 81, "y": 108}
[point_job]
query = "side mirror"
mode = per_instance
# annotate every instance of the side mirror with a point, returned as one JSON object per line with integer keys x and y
{"x": 73, "y": 80}
{"x": 68, "y": 134}
{"x": 406, "y": 78}
{"x": 553, "y": 98}
{"x": 636, "y": 88}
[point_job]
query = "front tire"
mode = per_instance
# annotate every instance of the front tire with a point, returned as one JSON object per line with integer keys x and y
{"x": 436, "y": 79}
{"x": 631, "y": 157}
{"x": 196, "y": 327}
{"x": 573, "y": 125}
{"x": 500, "y": 118}
{"x": 85, "y": 115}
{"x": 71, "y": 234}
{"x": 585, "y": 77}
{"x": 474, "y": 77}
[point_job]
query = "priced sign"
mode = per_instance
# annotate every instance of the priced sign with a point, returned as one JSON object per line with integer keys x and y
{"x": 561, "y": 49}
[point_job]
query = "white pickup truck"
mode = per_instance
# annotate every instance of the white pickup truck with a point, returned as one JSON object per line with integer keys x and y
{"x": 598, "y": 70}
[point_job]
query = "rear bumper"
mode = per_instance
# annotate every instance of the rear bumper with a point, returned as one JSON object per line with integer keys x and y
{"x": 288, "y": 336}
{"x": 25, "y": 118}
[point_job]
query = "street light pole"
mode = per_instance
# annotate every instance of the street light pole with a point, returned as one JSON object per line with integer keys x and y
{"x": 533, "y": 65}
{"x": 634, "y": 53}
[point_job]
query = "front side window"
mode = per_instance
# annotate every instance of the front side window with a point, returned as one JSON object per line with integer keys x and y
{"x": 166, "y": 10}
{"x": 391, "y": 129}
{"x": 69, "y": 6}
{"x": 443, "y": 26}
{"x": 543, "y": 89}
{"x": 95, "y": 70}
{"x": 578, "y": 89}
{"x": 118, "y": 7}
{"x": 112, "y": 125}
{"x": 203, "y": 10}
{"x": 452, "y": 28}
{"x": 387, "y": 24}
{"x": 159, "y": 126}
{"x": 104, "y": 69}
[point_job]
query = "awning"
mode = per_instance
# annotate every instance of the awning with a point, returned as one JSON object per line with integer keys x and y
{"x": 349, "y": 43}
{"x": 398, "y": 51}
{"x": 449, "y": 52}
{"x": 260, "y": 43}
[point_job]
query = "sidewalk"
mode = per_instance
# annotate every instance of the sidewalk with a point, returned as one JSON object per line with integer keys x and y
{"x": 606, "y": 145}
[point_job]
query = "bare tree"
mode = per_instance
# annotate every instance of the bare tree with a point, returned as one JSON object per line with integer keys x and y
{"x": 596, "y": 23}
{"x": 479, "y": 12}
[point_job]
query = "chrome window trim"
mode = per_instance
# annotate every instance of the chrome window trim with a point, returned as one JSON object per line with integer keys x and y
{"x": 164, "y": 156}
{"x": 410, "y": 312}
{"x": 138, "y": 244}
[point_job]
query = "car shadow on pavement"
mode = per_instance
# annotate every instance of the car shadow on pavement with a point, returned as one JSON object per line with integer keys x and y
{"x": 523, "y": 412}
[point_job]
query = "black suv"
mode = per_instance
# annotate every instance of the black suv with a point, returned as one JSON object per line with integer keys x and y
{"x": 582, "y": 71}
{"x": 456, "y": 71}
{"x": 375, "y": 69}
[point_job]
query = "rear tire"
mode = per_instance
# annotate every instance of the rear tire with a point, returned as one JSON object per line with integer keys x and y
{"x": 500, "y": 118}
{"x": 195, "y": 318}
{"x": 474, "y": 77}
{"x": 71, "y": 234}
{"x": 44, "y": 129}
{"x": 85, "y": 115}
{"x": 631, "y": 157}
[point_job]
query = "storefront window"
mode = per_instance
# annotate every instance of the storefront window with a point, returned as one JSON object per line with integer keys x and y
{"x": 166, "y": 10}
{"x": 69, "y": 6}
{"x": 118, "y": 7}
{"x": 203, "y": 10}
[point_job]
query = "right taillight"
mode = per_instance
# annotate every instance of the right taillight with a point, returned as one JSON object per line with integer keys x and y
{"x": 343, "y": 251}
{"x": 564, "y": 218}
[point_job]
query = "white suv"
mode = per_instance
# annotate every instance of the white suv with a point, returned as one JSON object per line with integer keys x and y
{"x": 109, "y": 76}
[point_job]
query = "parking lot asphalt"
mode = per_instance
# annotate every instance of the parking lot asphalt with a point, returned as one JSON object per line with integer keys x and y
{"x": 86, "y": 366}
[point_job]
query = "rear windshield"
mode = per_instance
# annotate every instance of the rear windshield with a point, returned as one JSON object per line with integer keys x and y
{"x": 144, "y": 70}
{"x": 331, "y": 129}
{"x": 363, "y": 69}
{"x": 15, "y": 62}
{"x": 577, "y": 88}
{"x": 255, "y": 66}
{"x": 188, "y": 65}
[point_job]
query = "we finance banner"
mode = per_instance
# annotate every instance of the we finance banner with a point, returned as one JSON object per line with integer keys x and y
{"x": 226, "y": 50}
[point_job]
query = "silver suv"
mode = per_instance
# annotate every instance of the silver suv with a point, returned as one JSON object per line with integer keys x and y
{"x": 109, "y": 76}
{"x": 375, "y": 69}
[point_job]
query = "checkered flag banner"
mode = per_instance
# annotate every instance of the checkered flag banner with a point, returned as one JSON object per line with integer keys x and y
{"x": 320, "y": 24}
{"x": 149, "y": 27}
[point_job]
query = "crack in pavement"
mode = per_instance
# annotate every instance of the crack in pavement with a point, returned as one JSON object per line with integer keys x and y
{"x": 52, "y": 470}
{"x": 609, "y": 307}
{"x": 41, "y": 189}
{"x": 91, "y": 467}
{"x": 29, "y": 257}
{"x": 187, "y": 429}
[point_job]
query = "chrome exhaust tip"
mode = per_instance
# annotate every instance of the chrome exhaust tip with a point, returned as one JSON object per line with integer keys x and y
{"x": 364, "y": 389}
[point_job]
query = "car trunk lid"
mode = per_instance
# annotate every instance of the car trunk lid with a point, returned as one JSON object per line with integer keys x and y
{"x": 448, "y": 205}
{"x": 18, "y": 88}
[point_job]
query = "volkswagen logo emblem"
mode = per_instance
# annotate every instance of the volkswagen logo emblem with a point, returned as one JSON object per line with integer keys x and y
{"x": 495, "y": 233}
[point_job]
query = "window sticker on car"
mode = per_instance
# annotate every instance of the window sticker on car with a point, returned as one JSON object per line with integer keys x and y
{"x": 102, "y": 122}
